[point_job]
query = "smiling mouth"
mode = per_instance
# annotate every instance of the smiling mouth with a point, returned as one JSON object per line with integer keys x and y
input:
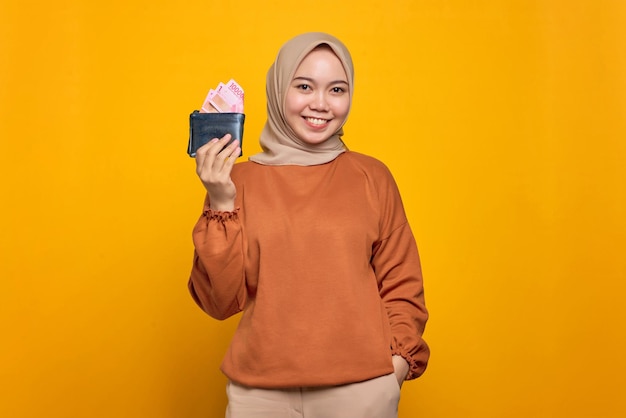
{"x": 317, "y": 121}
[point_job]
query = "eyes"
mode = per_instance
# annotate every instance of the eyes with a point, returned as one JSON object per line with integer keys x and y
{"x": 307, "y": 88}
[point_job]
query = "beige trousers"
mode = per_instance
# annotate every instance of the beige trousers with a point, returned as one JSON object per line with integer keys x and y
{"x": 375, "y": 398}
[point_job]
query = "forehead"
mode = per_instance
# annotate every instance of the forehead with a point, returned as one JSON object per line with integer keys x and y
{"x": 321, "y": 60}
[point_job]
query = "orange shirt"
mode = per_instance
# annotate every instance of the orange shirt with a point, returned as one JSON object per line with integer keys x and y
{"x": 324, "y": 266}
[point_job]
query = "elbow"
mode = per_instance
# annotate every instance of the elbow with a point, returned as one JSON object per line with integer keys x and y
{"x": 211, "y": 307}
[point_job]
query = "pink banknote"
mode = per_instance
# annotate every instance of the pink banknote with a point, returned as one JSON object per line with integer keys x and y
{"x": 226, "y": 98}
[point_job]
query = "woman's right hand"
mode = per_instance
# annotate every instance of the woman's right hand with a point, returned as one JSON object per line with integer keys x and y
{"x": 213, "y": 166}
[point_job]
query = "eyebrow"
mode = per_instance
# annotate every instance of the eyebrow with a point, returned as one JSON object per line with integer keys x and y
{"x": 313, "y": 81}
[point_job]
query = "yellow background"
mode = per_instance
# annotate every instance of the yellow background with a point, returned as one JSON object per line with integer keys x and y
{"x": 503, "y": 121}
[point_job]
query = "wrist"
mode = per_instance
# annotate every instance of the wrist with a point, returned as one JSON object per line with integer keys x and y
{"x": 221, "y": 203}
{"x": 222, "y": 207}
{"x": 401, "y": 366}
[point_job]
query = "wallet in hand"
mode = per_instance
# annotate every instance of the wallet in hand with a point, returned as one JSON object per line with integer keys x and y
{"x": 205, "y": 126}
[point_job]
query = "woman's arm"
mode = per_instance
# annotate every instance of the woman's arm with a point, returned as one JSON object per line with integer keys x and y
{"x": 217, "y": 281}
{"x": 396, "y": 262}
{"x": 397, "y": 265}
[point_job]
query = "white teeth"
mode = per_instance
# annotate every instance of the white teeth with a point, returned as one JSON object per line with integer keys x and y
{"x": 316, "y": 121}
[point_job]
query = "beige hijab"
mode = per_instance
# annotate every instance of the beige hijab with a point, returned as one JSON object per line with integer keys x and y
{"x": 280, "y": 144}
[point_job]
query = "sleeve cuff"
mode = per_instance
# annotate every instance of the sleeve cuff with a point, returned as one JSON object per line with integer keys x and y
{"x": 221, "y": 216}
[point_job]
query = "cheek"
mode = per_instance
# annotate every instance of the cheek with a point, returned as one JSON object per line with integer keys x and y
{"x": 341, "y": 107}
{"x": 293, "y": 103}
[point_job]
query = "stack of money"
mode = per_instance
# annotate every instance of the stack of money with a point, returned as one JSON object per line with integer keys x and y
{"x": 226, "y": 98}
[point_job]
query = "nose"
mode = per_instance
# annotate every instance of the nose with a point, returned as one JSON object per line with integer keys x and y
{"x": 319, "y": 101}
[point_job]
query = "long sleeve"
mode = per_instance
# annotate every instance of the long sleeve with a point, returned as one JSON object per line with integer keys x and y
{"x": 217, "y": 281}
{"x": 398, "y": 270}
{"x": 396, "y": 262}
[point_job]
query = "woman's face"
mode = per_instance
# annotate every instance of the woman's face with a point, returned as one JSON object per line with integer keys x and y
{"x": 318, "y": 97}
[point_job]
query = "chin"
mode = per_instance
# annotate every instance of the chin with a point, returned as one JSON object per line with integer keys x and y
{"x": 314, "y": 141}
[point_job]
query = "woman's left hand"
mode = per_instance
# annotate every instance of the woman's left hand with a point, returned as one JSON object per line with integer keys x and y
{"x": 400, "y": 368}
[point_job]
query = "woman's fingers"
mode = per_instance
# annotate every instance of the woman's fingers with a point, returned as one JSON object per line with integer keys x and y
{"x": 229, "y": 155}
{"x": 212, "y": 147}
{"x": 214, "y": 163}
{"x": 207, "y": 155}
{"x": 202, "y": 154}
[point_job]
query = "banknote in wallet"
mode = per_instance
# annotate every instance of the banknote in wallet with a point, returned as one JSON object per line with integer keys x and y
{"x": 225, "y": 98}
{"x": 220, "y": 114}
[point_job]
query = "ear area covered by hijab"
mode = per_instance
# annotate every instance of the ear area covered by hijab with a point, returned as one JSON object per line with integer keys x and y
{"x": 279, "y": 143}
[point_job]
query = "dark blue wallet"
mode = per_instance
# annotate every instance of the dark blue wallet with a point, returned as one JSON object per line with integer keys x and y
{"x": 205, "y": 126}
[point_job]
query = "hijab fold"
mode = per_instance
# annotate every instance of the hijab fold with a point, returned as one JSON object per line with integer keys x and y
{"x": 280, "y": 144}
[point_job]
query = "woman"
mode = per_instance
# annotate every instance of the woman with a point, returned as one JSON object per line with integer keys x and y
{"x": 311, "y": 242}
